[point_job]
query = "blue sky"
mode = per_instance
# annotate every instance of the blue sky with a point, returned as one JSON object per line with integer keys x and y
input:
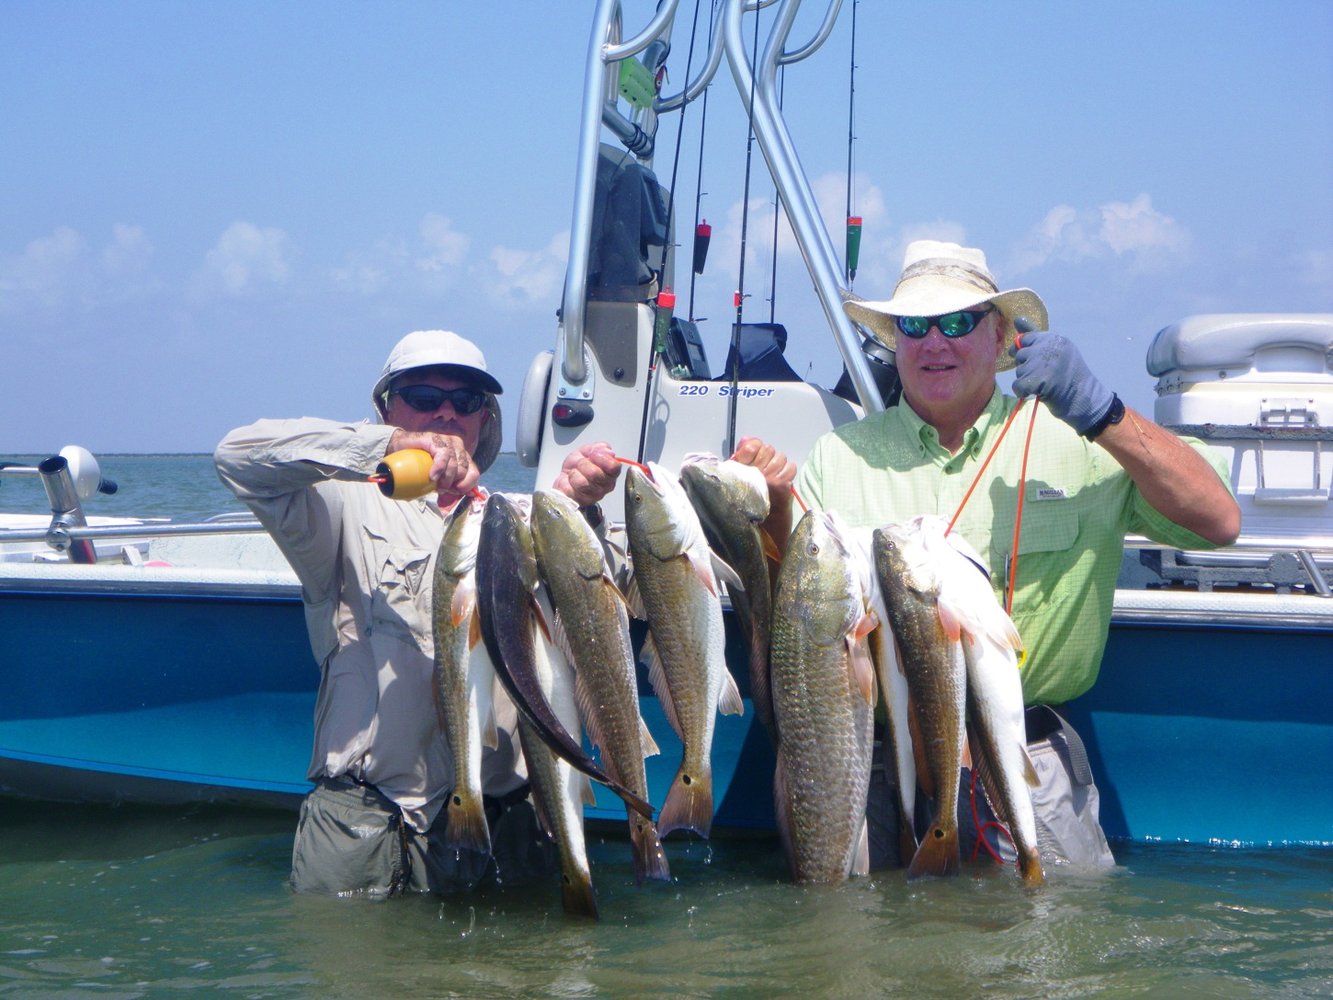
{"x": 212, "y": 212}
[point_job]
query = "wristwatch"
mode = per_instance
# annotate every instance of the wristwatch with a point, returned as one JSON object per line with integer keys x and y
{"x": 1114, "y": 415}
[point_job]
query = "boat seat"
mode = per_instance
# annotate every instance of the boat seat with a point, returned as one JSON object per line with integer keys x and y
{"x": 756, "y": 355}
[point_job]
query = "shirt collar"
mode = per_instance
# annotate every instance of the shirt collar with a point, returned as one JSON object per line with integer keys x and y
{"x": 992, "y": 416}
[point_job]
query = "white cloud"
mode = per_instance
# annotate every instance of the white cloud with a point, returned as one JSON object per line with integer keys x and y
{"x": 1137, "y": 227}
{"x": 45, "y": 271}
{"x": 442, "y": 246}
{"x": 245, "y": 259}
{"x": 371, "y": 271}
{"x": 128, "y": 253}
{"x": 531, "y": 275}
{"x": 1132, "y": 230}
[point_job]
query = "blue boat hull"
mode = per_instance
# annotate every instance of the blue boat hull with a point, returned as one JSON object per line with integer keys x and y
{"x": 1198, "y": 733}
{"x": 1212, "y": 734}
{"x": 155, "y": 697}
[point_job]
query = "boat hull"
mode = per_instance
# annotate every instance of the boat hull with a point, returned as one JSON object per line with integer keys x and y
{"x": 157, "y": 694}
{"x": 1210, "y": 722}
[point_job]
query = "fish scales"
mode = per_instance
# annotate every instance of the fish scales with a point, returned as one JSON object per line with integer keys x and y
{"x": 510, "y": 613}
{"x": 675, "y": 581}
{"x": 933, "y": 662}
{"x": 732, "y": 502}
{"x": 995, "y": 709}
{"x": 463, "y": 676}
{"x": 823, "y": 702}
{"x": 595, "y": 624}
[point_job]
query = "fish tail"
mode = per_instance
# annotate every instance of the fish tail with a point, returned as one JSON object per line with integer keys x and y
{"x": 467, "y": 828}
{"x": 938, "y": 854}
{"x": 689, "y": 804}
{"x": 577, "y": 896}
{"x": 650, "y": 861}
{"x": 1029, "y": 866}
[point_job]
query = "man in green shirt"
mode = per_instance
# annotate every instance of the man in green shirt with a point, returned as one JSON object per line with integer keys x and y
{"x": 1096, "y": 471}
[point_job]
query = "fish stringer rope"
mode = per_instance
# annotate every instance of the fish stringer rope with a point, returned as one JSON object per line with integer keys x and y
{"x": 1022, "y": 484}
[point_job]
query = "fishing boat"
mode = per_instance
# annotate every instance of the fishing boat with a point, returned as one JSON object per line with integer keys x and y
{"x": 168, "y": 662}
{"x": 1214, "y": 659}
{"x": 144, "y": 660}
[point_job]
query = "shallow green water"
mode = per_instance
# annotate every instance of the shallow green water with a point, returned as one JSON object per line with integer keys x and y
{"x": 125, "y": 902}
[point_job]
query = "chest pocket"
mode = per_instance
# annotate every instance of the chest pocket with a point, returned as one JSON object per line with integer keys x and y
{"x": 400, "y": 601}
{"x": 1047, "y": 552}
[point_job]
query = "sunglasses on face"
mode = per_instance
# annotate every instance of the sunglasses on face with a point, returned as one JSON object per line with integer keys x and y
{"x": 954, "y": 324}
{"x": 429, "y": 398}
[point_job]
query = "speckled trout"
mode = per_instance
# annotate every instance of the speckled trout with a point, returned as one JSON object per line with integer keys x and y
{"x": 823, "y": 686}
{"x": 595, "y": 626}
{"x": 464, "y": 675}
{"x": 675, "y": 588}
{"x": 515, "y": 626}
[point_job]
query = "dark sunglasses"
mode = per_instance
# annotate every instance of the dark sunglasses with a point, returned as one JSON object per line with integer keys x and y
{"x": 954, "y": 324}
{"x": 429, "y": 398}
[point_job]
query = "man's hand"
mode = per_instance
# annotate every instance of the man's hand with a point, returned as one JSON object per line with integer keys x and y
{"x": 451, "y": 469}
{"x": 779, "y": 473}
{"x": 588, "y": 473}
{"x": 1051, "y": 368}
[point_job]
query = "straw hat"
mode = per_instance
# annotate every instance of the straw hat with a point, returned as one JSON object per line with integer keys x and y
{"x": 939, "y": 278}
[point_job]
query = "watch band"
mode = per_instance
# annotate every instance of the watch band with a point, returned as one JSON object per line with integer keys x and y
{"x": 1114, "y": 415}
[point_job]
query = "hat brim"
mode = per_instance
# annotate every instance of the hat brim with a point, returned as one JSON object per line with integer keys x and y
{"x": 878, "y": 317}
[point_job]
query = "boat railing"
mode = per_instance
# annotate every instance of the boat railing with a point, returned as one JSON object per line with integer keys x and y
{"x": 73, "y": 476}
{"x": 637, "y": 132}
{"x": 1283, "y": 562}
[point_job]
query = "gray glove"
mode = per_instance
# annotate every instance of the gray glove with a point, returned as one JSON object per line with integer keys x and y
{"x": 1050, "y": 367}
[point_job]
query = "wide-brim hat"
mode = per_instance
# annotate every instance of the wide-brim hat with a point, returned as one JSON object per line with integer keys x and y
{"x": 435, "y": 349}
{"x": 939, "y": 278}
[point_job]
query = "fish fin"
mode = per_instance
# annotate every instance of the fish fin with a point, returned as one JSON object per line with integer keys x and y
{"x": 771, "y": 550}
{"x": 587, "y": 710}
{"x": 938, "y": 854}
{"x": 650, "y": 747}
{"x": 729, "y": 698}
{"x": 1030, "y": 772}
{"x": 950, "y": 620}
{"x": 861, "y": 853}
{"x": 587, "y": 794}
{"x": 634, "y": 600}
{"x": 577, "y": 896}
{"x": 466, "y": 827}
{"x": 490, "y": 732}
{"x": 1029, "y": 867}
{"x": 464, "y": 601}
{"x": 965, "y": 757}
{"x": 474, "y": 631}
{"x": 543, "y": 617}
{"x": 650, "y": 861}
{"x": 658, "y": 679}
{"x": 723, "y": 571}
{"x": 862, "y": 669}
{"x": 866, "y": 624}
{"x": 689, "y": 804}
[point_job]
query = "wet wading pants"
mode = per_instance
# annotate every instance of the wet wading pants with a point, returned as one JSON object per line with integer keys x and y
{"x": 351, "y": 839}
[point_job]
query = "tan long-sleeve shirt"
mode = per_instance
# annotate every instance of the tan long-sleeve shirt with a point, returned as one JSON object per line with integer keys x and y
{"x": 366, "y": 565}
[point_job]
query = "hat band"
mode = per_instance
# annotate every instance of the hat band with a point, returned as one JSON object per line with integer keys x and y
{"x": 945, "y": 268}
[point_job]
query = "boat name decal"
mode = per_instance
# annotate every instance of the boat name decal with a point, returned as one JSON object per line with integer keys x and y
{"x": 705, "y": 388}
